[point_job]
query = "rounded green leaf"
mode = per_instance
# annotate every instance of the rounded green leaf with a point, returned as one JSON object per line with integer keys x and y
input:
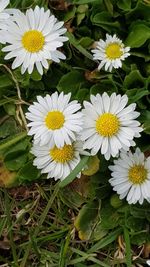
{"x": 85, "y": 220}
{"x": 138, "y": 35}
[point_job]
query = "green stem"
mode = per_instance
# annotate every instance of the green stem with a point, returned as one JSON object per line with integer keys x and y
{"x": 11, "y": 141}
{"x": 128, "y": 248}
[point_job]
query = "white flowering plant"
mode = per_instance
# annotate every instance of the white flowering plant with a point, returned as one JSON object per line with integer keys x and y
{"x": 74, "y": 133}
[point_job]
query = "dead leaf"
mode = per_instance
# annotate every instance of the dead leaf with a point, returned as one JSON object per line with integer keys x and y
{"x": 7, "y": 178}
{"x": 146, "y": 250}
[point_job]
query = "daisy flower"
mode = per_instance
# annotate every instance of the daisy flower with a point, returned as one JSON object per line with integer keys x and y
{"x": 58, "y": 162}
{"x": 3, "y": 19}
{"x": 109, "y": 125}
{"x": 110, "y": 52}
{"x": 131, "y": 176}
{"x": 34, "y": 39}
{"x": 54, "y": 120}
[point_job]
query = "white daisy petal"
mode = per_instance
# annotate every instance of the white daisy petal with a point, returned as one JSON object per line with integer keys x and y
{"x": 104, "y": 118}
{"x": 135, "y": 184}
{"x": 38, "y": 34}
{"x": 57, "y": 162}
{"x": 4, "y": 16}
{"x": 49, "y": 122}
{"x": 110, "y": 52}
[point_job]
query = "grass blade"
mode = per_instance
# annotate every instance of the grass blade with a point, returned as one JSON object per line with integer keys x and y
{"x": 41, "y": 220}
{"x": 74, "y": 42}
{"x": 105, "y": 241}
{"x": 9, "y": 220}
{"x": 64, "y": 251}
{"x": 74, "y": 173}
{"x": 128, "y": 247}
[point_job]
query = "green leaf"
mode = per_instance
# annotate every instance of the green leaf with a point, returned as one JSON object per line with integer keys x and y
{"x": 70, "y": 14}
{"x": 145, "y": 115}
{"x": 85, "y": 42}
{"x": 10, "y": 109}
{"x": 24, "y": 80}
{"x": 136, "y": 94}
{"x": 36, "y": 76}
{"x": 134, "y": 226}
{"x": 92, "y": 166}
{"x": 7, "y": 100}
{"x": 5, "y": 81}
{"x": 105, "y": 21}
{"x": 80, "y": 17}
{"x": 99, "y": 232}
{"x": 140, "y": 10}
{"x": 141, "y": 55}
{"x": 111, "y": 237}
{"x": 53, "y": 77}
{"x": 109, "y": 217}
{"x": 140, "y": 213}
{"x": 86, "y": 219}
{"x": 124, "y": 4}
{"x": 80, "y": 2}
{"x": 75, "y": 199}
{"x": 81, "y": 13}
{"x": 75, "y": 43}
{"x": 139, "y": 238}
{"x": 134, "y": 79}
{"x": 104, "y": 86}
{"x": 109, "y": 6}
{"x": 115, "y": 201}
{"x": 22, "y": 145}
{"x": 5, "y": 84}
{"x": 72, "y": 81}
{"x": 145, "y": 119}
{"x": 28, "y": 172}
{"x": 75, "y": 172}
{"x": 146, "y": 127}
{"x": 138, "y": 35}
{"x": 15, "y": 160}
{"x": 12, "y": 140}
{"x": 82, "y": 94}
{"x": 8, "y": 128}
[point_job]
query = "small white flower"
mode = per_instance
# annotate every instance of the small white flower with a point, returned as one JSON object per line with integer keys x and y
{"x": 109, "y": 125}
{"x": 34, "y": 39}
{"x": 111, "y": 52}
{"x": 58, "y": 162}
{"x": 131, "y": 176}
{"x": 4, "y": 16}
{"x": 54, "y": 120}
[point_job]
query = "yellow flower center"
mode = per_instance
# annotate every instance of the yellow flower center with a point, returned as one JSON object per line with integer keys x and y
{"x": 107, "y": 124}
{"x": 33, "y": 41}
{"x": 137, "y": 174}
{"x": 113, "y": 51}
{"x": 54, "y": 120}
{"x": 62, "y": 155}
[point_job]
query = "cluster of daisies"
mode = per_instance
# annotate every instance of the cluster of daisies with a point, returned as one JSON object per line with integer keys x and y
{"x": 62, "y": 133}
{"x": 35, "y": 38}
{"x": 62, "y": 130}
